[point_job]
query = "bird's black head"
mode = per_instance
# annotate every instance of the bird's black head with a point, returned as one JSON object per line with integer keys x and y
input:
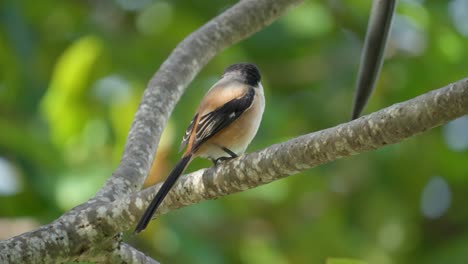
{"x": 245, "y": 72}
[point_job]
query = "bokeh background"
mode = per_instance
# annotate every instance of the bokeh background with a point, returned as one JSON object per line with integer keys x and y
{"x": 72, "y": 74}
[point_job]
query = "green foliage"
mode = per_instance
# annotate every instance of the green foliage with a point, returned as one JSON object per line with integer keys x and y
{"x": 72, "y": 74}
{"x": 64, "y": 101}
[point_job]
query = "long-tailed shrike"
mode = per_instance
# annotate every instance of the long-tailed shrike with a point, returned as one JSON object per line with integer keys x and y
{"x": 223, "y": 126}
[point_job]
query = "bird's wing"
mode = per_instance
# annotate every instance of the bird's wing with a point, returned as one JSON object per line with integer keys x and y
{"x": 214, "y": 121}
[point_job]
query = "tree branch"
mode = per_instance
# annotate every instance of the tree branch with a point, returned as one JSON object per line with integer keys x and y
{"x": 388, "y": 126}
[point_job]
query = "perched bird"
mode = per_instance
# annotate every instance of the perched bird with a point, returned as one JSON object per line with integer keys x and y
{"x": 225, "y": 123}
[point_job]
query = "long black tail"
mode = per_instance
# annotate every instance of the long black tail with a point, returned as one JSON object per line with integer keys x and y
{"x": 167, "y": 185}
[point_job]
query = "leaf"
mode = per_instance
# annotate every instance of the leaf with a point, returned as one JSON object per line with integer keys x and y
{"x": 64, "y": 105}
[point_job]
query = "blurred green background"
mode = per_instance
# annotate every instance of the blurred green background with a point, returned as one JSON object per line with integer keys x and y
{"x": 72, "y": 74}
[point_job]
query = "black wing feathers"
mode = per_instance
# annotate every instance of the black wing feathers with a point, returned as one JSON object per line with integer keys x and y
{"x": 213, "y": 122}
